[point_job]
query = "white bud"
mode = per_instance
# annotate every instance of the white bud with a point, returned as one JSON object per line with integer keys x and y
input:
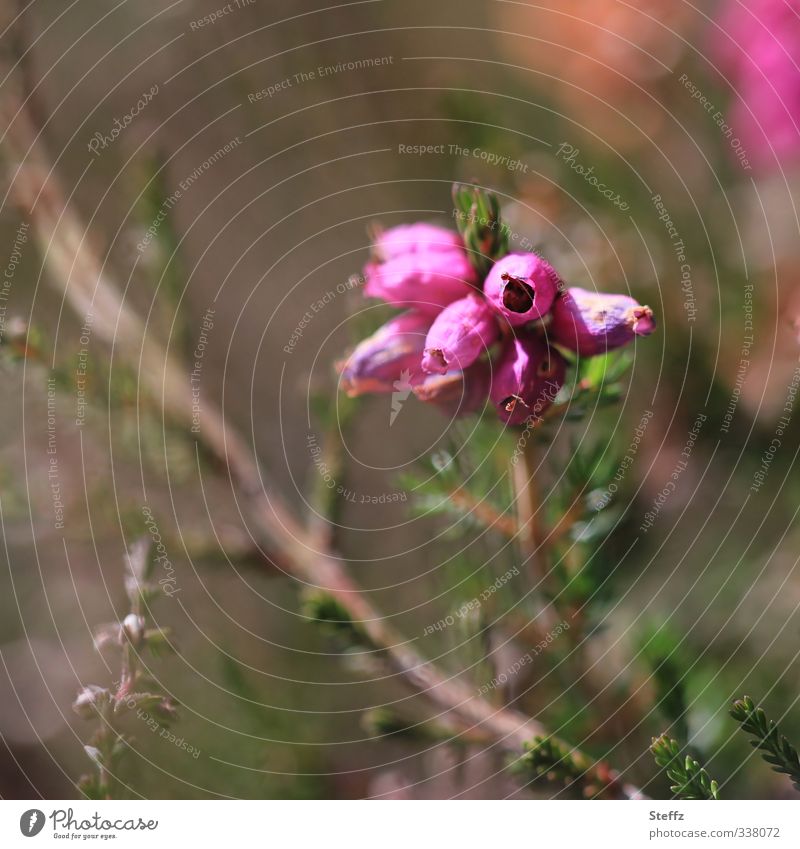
{"x": 133, "y": 628}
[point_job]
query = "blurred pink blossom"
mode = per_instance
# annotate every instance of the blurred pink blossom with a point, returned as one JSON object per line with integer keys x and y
{"x": 759, "y": 50}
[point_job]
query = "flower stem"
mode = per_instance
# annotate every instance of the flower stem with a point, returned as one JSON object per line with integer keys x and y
{"x": 106, "y": 738}
{"x": 529, "y": 508}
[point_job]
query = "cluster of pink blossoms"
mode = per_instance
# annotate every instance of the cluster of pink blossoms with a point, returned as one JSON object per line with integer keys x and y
{"x": 463, "y": 340}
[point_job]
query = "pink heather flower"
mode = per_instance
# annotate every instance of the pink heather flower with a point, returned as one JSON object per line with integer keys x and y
{"x": 459, "y": 335}
{"x": 457, "y": 393}
{"x": 393, "y": 353}
{"x": 591, "y": 323}
{"x": 762, "y": 61}
{"x": 425, "y": 280}
{"x": 414, "y": 238}
{"x": 527, "y": 379}
{"x": 436, "y": 348}
{"x": 521, "y": 287}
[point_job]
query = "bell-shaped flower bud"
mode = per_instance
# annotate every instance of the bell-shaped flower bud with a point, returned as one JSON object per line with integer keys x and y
{"x": 527, "y": 378}
{"x": 133, "y": 628}
{"x": 90, "y": 701}
{"x": 521, "y": 287}
{"x": 393, "y": 353}
{"x": 414, "y": 238}
{"x": 425, "y": 280}
{"x": 457, "y": 393}
{"x": 166, "y": 709}
{"x": 459, "y": 335}
{"x": 107, "y": 635}
{"x": 591, "y": 323}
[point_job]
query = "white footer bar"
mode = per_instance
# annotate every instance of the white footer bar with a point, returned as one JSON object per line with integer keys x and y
{"x": 410, "y": 825}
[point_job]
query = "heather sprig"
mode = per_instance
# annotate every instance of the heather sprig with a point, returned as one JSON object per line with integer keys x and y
{"x": 507, "y": 331}
{"x": 134, "y": 691}
{"x": 775, "y": 748}
{"x": 689, "y": 779}
{"x": 548, "y": 760}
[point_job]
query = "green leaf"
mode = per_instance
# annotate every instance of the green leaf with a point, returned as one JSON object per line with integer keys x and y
{"x": 383, "y": 722}
{"x": 333, "y": 618}
{"x": 480, "y": 225}
{"x": 138, "y": 701}
{"x": 605, "y": 368}
{"x": 159, "y": 641}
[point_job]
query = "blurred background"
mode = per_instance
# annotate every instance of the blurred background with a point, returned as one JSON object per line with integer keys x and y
{"x": 226, "y": 162}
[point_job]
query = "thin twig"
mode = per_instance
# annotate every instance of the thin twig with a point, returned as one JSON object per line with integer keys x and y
{"x": 484, "y": 513}
{"x": 529, "y": 508}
